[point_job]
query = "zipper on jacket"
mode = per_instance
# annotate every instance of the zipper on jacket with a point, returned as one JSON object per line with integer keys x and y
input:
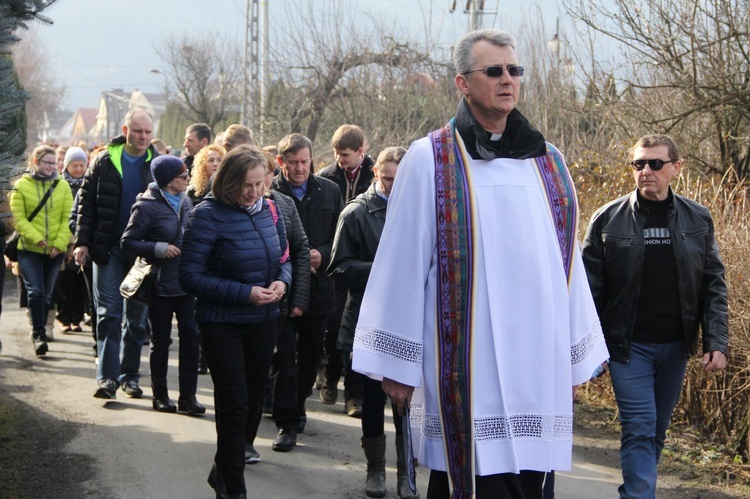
{"x": 268, "y": 256}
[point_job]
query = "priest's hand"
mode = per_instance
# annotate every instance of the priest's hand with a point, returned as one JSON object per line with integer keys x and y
{"x": 398, "y": 393}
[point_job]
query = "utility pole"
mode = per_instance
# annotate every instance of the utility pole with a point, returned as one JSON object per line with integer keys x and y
{"x": 263, "y": 71}
{"x": 250, "y": 65}
{"x": 475, "y": 9}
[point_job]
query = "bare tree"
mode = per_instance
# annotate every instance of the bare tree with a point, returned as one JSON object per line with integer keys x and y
{"x": 206, "y": 75}
{"x": 685, "y": 71}
{"x": 36, "y": 75}
{"x": 335, "y": 51}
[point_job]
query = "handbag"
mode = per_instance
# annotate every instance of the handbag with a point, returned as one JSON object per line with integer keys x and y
{"x": 11, "y": 245}
{"x": 139, "y": 283}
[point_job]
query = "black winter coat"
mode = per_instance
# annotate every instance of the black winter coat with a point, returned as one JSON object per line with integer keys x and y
{"x": 99, "y": 204}
{"x": 299, "y": 254}
{"x": 318, "y": 210}
{"x": 357, "y": 237}
{"x": 154, "y": 224}
{"x": 360, "y": 184}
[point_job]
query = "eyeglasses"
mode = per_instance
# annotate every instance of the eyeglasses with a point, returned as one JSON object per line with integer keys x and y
{"x": 654, "y": 164}
{"x": 497, "y": 71}
{"x": 50, "y": 163}
{"x": 184, "y": 176}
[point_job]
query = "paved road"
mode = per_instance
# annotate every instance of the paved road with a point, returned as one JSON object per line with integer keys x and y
{"x": 137, "y": 452}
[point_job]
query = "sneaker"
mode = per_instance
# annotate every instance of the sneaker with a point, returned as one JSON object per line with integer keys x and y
{"x": 132, "y": 389}
{"x": 40, "y": 346}
{"x": 107, "y": 389}
{"x": 251, "y": 455}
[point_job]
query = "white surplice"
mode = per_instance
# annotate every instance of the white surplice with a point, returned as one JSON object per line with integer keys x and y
{"x": 534, "y": 337}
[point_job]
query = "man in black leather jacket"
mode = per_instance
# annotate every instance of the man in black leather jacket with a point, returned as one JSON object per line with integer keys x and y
{"x": 655, "y": 274}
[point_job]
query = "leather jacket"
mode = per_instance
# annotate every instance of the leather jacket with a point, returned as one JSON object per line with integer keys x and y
{"x": 613, "y": 252}
{"x": 357, "y": 237}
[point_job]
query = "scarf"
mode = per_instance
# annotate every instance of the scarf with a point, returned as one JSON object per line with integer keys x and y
{"x": 75, "y": 183}
{"x": 455, "y": 247}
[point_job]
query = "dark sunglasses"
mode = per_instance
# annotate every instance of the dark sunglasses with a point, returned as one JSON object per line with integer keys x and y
{"x": 654, "y": 164}
{"x": 184, "y": 176}
{"x": 497, "y": 71}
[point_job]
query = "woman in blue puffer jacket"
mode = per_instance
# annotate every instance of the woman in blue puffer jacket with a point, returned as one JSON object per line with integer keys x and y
{"x": 154, "y": 231}
{"x": 235, "y": 259}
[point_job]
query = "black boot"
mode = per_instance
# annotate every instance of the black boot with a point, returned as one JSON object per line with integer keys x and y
{"x": 374, "y": 448}
{"x": 216, "y": 483}
{"x": 402, "y": 476}
{"x": 189, "y": 404}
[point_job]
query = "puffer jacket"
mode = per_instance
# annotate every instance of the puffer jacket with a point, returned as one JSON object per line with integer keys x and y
{"x": 225, "y": 252}
{"x": 318, "y": 210}
{"x": 357, "y": 237}
{"x": 51, "y": 223}
{"x": 299, "y": 254}
{"x": 99, "y": 204}
{"x": 613, "y": 252}
{"x": 154, "y": 224}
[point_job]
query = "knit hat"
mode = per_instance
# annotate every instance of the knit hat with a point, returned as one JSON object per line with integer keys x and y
{"x": 75, "y": 154}
{"x": 165, "y": 168}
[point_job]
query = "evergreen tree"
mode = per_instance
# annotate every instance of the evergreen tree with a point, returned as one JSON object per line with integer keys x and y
{"x": 14, "y": 15}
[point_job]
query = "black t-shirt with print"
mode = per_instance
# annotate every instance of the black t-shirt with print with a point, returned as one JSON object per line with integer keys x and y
{"x": 658, "y": 319}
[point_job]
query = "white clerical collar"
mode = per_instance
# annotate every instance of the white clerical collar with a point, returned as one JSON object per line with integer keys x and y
{"x": 496, "y": 136}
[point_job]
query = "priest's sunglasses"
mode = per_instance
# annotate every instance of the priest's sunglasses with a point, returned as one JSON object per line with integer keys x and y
{"x": 654, "y": 164}
{"x": 497, "y": 71}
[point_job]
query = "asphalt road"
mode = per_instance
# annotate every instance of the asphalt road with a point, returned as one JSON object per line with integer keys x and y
{"x": 136, "y": 452}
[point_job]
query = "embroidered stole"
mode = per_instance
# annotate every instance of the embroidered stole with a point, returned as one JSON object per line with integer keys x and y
{"x": 455, "y": 247}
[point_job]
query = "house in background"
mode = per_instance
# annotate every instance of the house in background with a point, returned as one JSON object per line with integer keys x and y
{"x": 79, "y": 127}
{"x": 114, "y": 105}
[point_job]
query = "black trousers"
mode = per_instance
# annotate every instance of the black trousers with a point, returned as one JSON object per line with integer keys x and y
{"x": 340, "y": 361}
{"x": 239, "y": 357}
{"x": 160, "y": 313}
{"x": 525, "y": 485}
{"x": 301, "y": 338}
{"x": 72, "y": 285}
{"x": 373, "y": 401}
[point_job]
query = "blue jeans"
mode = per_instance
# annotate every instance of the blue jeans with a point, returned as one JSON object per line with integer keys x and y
{"x": 39, "y": 273}
{"x": 115, "y": 339}
{"x": 647, "y": 389}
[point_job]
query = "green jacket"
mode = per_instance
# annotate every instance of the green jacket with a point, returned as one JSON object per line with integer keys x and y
{"x": 51, "y": 223}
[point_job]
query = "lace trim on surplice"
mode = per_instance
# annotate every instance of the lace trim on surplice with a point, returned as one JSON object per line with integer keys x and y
{"x": 489, "y": 428}
{"x": 581, "y": 350}
{"x": 388, "y": 344}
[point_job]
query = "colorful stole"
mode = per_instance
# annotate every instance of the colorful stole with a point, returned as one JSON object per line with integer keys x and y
{"x": 455, "y": 247}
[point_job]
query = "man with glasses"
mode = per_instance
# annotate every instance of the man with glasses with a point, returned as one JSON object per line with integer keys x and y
{"x": 655, "y": 273}
{"x": 114, "y": 179}
{"x": 477, "y": 303}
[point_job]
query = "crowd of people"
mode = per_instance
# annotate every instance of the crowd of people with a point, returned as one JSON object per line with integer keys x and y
{"x": 471, "y": 306}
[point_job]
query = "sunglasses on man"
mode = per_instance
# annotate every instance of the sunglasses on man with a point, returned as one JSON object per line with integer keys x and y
{"x": 654, "y": 164}
{"x": 497, "y": 71}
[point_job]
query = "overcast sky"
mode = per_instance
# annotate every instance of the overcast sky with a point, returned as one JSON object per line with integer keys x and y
{"x": 101, "y": 44}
